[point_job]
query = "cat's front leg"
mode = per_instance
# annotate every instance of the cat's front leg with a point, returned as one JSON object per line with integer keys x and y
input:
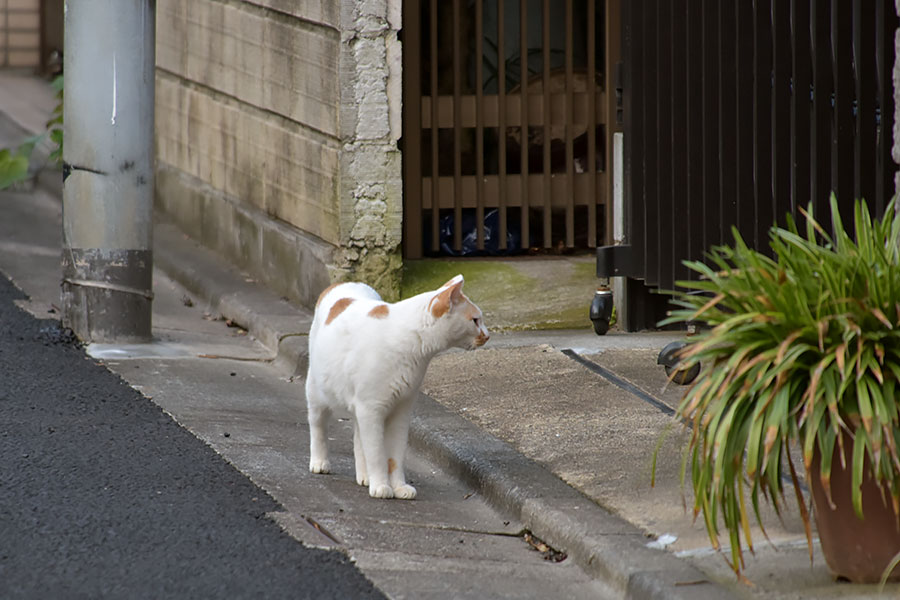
{"x": 396, "y": 436}
{"x": 370, "y": 422}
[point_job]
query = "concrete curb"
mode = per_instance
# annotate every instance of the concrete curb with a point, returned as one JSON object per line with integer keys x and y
{"x": 277, "y": 324}
{"x": 606, "y": 546}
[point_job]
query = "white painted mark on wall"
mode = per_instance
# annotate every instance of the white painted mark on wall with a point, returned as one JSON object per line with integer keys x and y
{"x": 112, "y": 119}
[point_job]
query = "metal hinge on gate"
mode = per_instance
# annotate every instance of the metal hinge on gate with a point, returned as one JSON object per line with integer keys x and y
{"x": 615, "y": 261}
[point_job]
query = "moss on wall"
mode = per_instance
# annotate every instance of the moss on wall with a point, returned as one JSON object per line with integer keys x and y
{"x": 378, "y": 267}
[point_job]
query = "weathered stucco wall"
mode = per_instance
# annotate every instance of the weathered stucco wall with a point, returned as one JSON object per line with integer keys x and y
{"x": 371, "y": 186}
{"x": 277, "y": 128}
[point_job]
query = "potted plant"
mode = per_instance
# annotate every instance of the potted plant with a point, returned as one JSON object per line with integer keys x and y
{"x": 802, "y": 351}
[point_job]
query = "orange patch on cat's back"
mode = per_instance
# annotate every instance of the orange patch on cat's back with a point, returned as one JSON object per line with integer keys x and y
{"x": 337, "y": 308}
{"x": 325, "y": 293}
{"x": 379, "y": 312}
{"x": 391, "y": 465}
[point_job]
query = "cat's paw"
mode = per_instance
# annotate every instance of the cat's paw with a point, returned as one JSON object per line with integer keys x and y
{"x": 405, "y": 492}
{"x": 320, "y": 466}
{"x": 362, "y": 480}
{"x": 381, "y": 491}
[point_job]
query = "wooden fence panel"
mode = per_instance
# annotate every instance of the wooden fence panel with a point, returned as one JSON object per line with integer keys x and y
{"x": 679, "y": 140}
{"x": 746, "y": 204}
{"x": 866, "y": 95}
{"x": 782, "y": 93}
{"x": 728, "y": 165}
{"x": 801, "y": 80}
{"x": 886, "y": 23}
{"x": 507, "y": 106}
{"x": 738, "y": 112}
{"x": 651, "y": 208}
{"x": 634, "y": 148}
{"x": 762, "y": 118}
{"x": 662, "y": 232}
{"x": 693, "y": 216}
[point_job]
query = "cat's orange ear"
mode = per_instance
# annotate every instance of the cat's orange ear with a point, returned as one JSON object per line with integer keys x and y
{"x": 449, "y": 294}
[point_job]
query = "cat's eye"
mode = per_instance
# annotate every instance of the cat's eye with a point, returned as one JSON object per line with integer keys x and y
{"x": 476, "y": 320}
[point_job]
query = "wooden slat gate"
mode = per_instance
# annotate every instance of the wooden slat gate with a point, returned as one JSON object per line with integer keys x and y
{"x": 20, "y": 33}
{"x": 738, "y": 111}
{"x": 504, "y": 153}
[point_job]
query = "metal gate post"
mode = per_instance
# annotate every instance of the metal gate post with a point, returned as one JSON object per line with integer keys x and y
{"x": 619, "y": 284}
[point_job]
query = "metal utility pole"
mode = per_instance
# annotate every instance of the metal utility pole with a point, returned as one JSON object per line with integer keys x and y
{"x": 108, "y": 169}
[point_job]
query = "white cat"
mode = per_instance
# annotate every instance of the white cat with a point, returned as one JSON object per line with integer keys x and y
{"x": 370, "y": 357}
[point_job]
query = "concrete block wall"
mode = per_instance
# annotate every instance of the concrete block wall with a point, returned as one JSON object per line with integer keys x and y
{"x": 277, "y": 125}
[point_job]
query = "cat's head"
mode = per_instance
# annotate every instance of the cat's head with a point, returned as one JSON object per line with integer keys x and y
{"x": 460, "y": 321}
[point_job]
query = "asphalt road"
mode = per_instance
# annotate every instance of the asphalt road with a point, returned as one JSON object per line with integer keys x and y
{"x": 103, "y": 495}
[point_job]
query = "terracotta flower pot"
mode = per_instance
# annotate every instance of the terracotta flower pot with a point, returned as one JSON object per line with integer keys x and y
{"x": 858, "y": 550}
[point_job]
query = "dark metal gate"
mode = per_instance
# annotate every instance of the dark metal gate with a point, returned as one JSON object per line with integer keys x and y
{"x": 508, "y": 115}
{"x": 738, "y": 111}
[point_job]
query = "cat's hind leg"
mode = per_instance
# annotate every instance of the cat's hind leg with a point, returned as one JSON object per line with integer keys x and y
{"x": 317, "y": 415}
{"x": 396, "y": 436}
{"x": 362, "y": 476}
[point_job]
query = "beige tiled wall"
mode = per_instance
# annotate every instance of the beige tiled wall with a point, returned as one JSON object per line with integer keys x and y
{"x": 20, "y": 33}
{"x": 247, "y": 102}
{"x": 274, "y": 140}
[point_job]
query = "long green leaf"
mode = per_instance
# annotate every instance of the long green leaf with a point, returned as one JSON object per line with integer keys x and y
{"x": 859, "y": 455}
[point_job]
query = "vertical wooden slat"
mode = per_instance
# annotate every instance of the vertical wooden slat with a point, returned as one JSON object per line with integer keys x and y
{"x": 842, "y": 116}
{"x": 866, "y": 96}
{"x": 501, "y": 120}
{"x": 665, "y": 221}
{"x": 612, "y": 54}
{"x": 745, "y": 168}
{"x": 694, "y": 143}
{"x": 886, "y": 19}
{"x": 820, "y": 17}
{"x": 650, "y": 143}
{"x": 435, "y": 138}
{"x": 762, "y": 118}
{"x": 524, "y": 146}
{"x": 592, "y": 120}
{"x": 727, "y": 117}
{"x": 479, "y": 124}
{"x": 712, "y": 214}
{"x": 677, "y": 151}
{"x": 781, "y": 110}
{"x": 457, "y": 129}
{"x": 633, "y": 92}
{"x": 570, "y": 150}
{"x": 412, "y": 129}
{"x": 545, "y": 72}
{"x": 801, "y": 107}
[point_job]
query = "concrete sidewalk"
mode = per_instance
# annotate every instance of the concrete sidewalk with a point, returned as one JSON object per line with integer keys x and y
{"x": 558, "y": 448}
